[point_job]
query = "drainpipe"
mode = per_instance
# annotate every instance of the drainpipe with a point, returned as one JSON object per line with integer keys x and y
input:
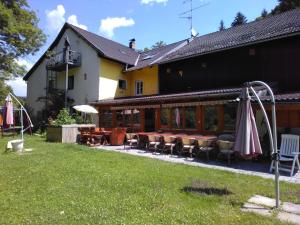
{"x": 272, "y": 135}
{"x": 67, "y": 76}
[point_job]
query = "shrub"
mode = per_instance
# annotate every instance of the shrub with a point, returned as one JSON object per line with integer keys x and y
{"x": 64, "y": 118}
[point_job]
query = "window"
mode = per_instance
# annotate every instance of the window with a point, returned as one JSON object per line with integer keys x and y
{"x": 127, "y": 117}
{"x": 190, "y": 117}
{"x": 229, "y": 117}
{"x": 136, "y": 120}
{"x": 210, "y": 118}
{"x": 138, "y": 87}
{"x": 165, "y": 117}
{"x": 52, "y": 80}
{"x": 119, "y": 118}
{"x": 177, "y": 118}
{"x": 105, "y": 118}
{"x": 71, "y": 82}
{"x": 122, "y": 84}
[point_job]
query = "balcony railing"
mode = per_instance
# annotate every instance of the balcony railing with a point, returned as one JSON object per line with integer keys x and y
{"x": 57, "y": 62}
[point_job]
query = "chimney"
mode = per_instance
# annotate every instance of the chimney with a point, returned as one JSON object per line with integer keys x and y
{"x": 132, "y": 43}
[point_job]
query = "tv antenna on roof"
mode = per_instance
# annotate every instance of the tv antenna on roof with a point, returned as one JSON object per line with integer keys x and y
{"x": 189, "y": 14}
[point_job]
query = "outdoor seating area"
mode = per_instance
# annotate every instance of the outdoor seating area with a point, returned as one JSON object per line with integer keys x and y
{"x": 211, "y": 149}
{"x": 157, "y": 142}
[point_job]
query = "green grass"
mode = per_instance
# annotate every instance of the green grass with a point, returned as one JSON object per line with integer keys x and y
{"x": 72, "y": 184}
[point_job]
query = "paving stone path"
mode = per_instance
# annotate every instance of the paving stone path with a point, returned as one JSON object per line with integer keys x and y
{"x": 247, "y": 168}
{"x": 264, "y": 206}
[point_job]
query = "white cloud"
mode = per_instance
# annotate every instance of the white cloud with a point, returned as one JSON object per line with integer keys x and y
{"x": 56, "y": 19}
{"x": 18, "y": 85}
{"x": 151, "y": 2}
{"x": 108, "y": 25}
{"x": 73, "y": 20}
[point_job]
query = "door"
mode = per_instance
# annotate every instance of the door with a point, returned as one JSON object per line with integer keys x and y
{"x": 149, "y": 120}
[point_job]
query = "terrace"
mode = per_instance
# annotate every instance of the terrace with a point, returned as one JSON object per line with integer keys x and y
{"x": 58, "y": 61}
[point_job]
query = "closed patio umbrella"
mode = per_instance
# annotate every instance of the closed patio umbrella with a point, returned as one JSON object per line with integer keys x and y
{"x": 247, "y": 140}
{"x": 9, "y": 111}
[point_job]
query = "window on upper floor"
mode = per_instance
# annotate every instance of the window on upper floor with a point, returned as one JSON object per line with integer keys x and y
{"x": 71, "y": 82}
{"x": 122, "y": 84}
{"x": 138, "y": 87}
{"x": 52, "y": 77}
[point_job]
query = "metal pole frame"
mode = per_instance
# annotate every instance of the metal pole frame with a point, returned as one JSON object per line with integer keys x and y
{"x": 67, "y": 75}
{"x": 272, "y": 135}
{"x": 22, "y": 109}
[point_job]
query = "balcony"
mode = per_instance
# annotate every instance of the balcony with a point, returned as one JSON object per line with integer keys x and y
{"x": 58, "y": 62}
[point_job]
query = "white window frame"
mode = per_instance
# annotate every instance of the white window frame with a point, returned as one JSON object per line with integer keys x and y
{"x": 138, "y": 87}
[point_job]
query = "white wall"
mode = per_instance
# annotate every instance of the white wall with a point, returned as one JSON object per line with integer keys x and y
{"x": 84, "y": 91}
{"x": 36, "y": 85}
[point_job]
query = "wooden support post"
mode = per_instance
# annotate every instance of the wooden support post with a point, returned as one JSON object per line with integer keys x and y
{"x": 142, "y": 120}
{"x": 157, "y": 119}
{"x": 114, "y": 118}
{"x": 221, "y": 118}
{"x": 199, "y": 118}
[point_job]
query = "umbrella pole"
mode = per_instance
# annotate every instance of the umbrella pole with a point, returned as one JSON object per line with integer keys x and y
{"x": 273, "y": 137}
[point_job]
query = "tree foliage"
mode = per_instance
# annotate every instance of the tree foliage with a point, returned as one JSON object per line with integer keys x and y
{"x": 239, "y": 20}
{"x": 19, "y": 35}
{"x": 285, "y": 5}
{"x": 159, "y": 44}
{"x": 4, "y": 90}
{"x": 222, "y": 26}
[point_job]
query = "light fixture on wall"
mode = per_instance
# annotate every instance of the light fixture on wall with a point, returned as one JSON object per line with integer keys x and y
{"x": 168, "y": 70}
{"x": 180, "y": 73}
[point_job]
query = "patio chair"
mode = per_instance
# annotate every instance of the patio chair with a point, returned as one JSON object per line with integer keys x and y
{"x": 288, "y": 152}
{"x": 131, "y": 139}
{"x": 188, "y": 145}
{"x": 169, "y": 143}
{"x": 153, "y": 141}
{"x": 226, "y": 149}
{"x": 205, "y": 146}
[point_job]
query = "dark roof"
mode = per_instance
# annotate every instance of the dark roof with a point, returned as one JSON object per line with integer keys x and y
{"x": 153, "y": 56}
{"x": 230, "y": 94}
{"x": 108, "y": 48}
{"x": 270, "y": 28}
{"x": 198, "y": 95}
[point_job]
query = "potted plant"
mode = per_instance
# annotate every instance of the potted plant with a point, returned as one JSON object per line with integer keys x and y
{"x": 65, "y": 128}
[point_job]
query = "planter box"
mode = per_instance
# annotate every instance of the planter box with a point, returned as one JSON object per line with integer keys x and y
{"x": 65, "y": 133}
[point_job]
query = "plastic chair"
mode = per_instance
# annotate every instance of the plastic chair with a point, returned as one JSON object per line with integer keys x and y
{"x": 288, "y": 152}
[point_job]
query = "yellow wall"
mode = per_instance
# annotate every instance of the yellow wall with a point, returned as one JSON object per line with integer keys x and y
{"x": 149, "y": 76}
{"x": 111, "y": 72}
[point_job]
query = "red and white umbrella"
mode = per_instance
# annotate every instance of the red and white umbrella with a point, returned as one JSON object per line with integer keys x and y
{"x": 9, "y": 111}
{"x": 247, "y": 140}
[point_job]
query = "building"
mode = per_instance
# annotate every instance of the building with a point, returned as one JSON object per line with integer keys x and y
{"x": 189, "y": 86}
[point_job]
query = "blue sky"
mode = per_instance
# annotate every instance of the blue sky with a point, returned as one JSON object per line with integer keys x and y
{"x": 147, "y": 21}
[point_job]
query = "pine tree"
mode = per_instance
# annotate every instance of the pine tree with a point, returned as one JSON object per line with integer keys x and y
{"x": 222, "y": 26}
{"x": 239, "y": 20}
{"x": 158, "y": 44}
{"x": 285, "y": 5}
{"x": 264, "y": 13}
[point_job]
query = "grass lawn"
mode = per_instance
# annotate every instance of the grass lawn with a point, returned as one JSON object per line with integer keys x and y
{"x": 72, "y": 184}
